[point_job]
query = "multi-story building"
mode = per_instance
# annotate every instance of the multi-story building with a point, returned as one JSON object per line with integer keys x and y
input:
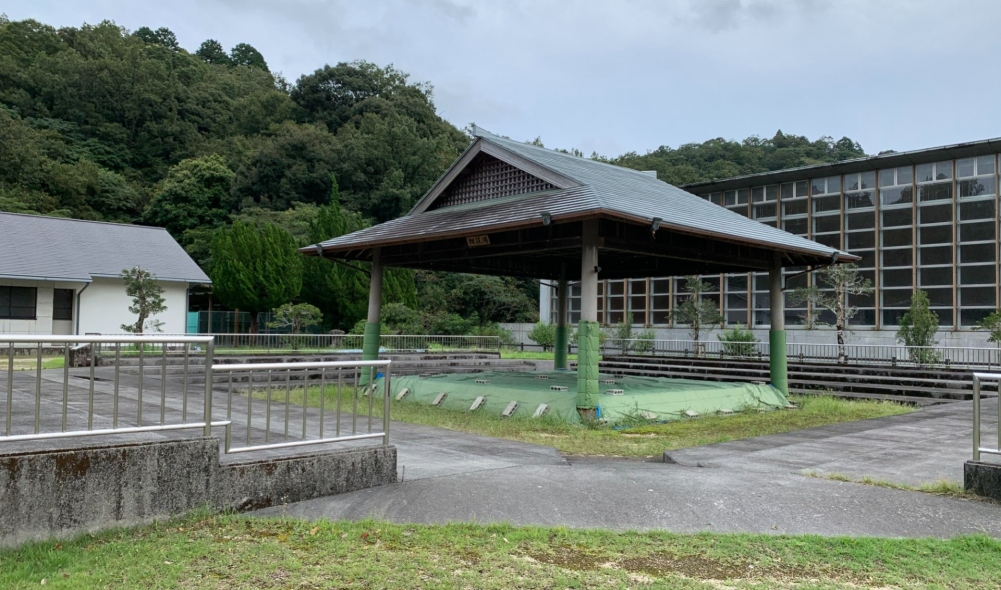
{"x": 925, "y": 219}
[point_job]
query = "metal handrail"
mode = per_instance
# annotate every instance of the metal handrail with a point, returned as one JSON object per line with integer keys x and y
{"x": 893, "y": 354}
{"x": 159, "y": 358}
{"x": 107, "y": 339}
{"x": 389, "y": 342}
{"x": 11, "y": 342}
{"x": 322, "y": 367}
{"x": 977, "y": 449}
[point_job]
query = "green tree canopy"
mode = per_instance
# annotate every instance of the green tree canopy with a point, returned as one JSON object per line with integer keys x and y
{"x": 211, "y": 51}
{"x": 244, "y": 54}
{"x": 191, "y": 196}
{"x": 254, "y": 268}
{"x": 293, "y": 164}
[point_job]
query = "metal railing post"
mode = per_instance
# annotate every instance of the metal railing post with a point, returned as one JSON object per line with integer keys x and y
{"x": 385, "y": 409}
{"x": 976, "y": 418}
{"x": 38, "y": 391}
{"x": 209, "y": 360}
{"x": 10, "y": 388}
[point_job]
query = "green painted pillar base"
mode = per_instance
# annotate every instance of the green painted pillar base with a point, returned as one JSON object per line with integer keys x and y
{"x": 369, "y": 350}
{"x": 588, "y": 352}
{"x": 777, "y": 360}
{"x": 560, "y": 348}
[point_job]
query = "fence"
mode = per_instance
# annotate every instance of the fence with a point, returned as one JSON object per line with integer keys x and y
{"x": 142, "y": 384}
{"x": 303, "y": 374}
{"x": 857, "y": 354}
{"x": 978, "y": 378}
{"x": 96, "y": 411}
{"x": 317, "y": 343}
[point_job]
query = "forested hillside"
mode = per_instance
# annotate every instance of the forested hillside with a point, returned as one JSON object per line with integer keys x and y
{"x": 102, "y": 123}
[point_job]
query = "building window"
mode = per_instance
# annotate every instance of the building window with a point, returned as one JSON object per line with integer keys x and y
{"x": 896, "y": 186}
{"x": 638, "y": 301}
{"x": 736, "y": 201}
{"x": 765, "y": 204}
{"x": 18, "y": 303}
{"x": 976, "y": 191}
{"x": 896, "y": 195}
{"x": 935, "y": 238}
{"x": 860, "y": 238}
{"x": 660, "y": 301}
{"x": 761, "y": 297}
{"x": 616, "y": 302}
{"x": 826, "y": 203}
{"x": 62, "y": 304}
{"x": 859, "y": 193}
{"x": 736, "y": 299}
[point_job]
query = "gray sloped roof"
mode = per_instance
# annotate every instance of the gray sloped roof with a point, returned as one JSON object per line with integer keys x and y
{"x": 55, "y": 248}
{"x": 604, "y": 188}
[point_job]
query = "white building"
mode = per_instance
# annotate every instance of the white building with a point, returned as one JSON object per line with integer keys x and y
{"x": 62, "y": 276}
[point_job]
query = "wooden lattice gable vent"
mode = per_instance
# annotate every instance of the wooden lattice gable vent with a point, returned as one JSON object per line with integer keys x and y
{"x": 489, "y": 178}
{"x": 488, "y": 171}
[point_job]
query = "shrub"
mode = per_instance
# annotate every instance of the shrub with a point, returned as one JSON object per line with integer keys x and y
{"x": 917, "y": 330}
{"x": 738, "y": 341}
{"x": 544, "y": 335}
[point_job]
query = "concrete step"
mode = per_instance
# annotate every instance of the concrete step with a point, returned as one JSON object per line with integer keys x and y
{"x": 763, "y": 372}
{"x": 848, "y": 380}
{"x": 819, "y": 367}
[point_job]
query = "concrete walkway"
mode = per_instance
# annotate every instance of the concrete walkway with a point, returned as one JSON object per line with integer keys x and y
{"x": 755, "y": 485}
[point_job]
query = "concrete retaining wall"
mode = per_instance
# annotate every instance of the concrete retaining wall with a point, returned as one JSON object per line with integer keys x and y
{"x": 58, "y": 494}
{"x": 983, "y": 479}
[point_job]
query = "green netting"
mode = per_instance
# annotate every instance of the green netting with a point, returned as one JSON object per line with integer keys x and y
{"x": 651, "y": 398}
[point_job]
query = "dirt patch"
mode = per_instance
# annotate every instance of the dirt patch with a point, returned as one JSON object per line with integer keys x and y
{"x": 692, "y": 566}
{"x": 468, "y": 556}
{"x": 697, "y": 567}
{"x": 569, "y": 557}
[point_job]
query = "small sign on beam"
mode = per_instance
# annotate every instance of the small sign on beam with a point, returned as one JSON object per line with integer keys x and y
{"x": 477, "y": 241}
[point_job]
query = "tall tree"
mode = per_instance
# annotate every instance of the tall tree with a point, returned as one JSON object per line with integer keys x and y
{"x": 162, "y": 36}
{"x": 255, "y": 269}
{"x": 191, "y": 197}
{"x": 211, "y": 51}
{"x": 341, "y": 291}
{"x": 294, "y": 164}
{"x": 244, "y": 54}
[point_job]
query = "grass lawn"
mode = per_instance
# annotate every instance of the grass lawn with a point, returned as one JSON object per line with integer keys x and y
{"x": 232, "y": 551}
{"x": 650, "y": 439}
{"x": 30, "y": 363}
{"x": 641, "y": 440}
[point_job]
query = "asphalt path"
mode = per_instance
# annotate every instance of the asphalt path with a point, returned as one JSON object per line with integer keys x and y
{"x": 757, "y": 485}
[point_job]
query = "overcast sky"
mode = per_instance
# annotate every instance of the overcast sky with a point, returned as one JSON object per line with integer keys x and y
{"x": 630, "y": 75}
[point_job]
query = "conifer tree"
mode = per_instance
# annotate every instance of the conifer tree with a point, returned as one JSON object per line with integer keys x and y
{"x": 917, "y": 330}
{"x": 255, "y": 269}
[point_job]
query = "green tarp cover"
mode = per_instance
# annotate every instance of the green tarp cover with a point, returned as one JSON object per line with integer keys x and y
{"x": 651, "y": 398}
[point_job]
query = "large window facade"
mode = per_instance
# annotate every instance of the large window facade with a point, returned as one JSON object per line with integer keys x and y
{"x": 930, "y": 226}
